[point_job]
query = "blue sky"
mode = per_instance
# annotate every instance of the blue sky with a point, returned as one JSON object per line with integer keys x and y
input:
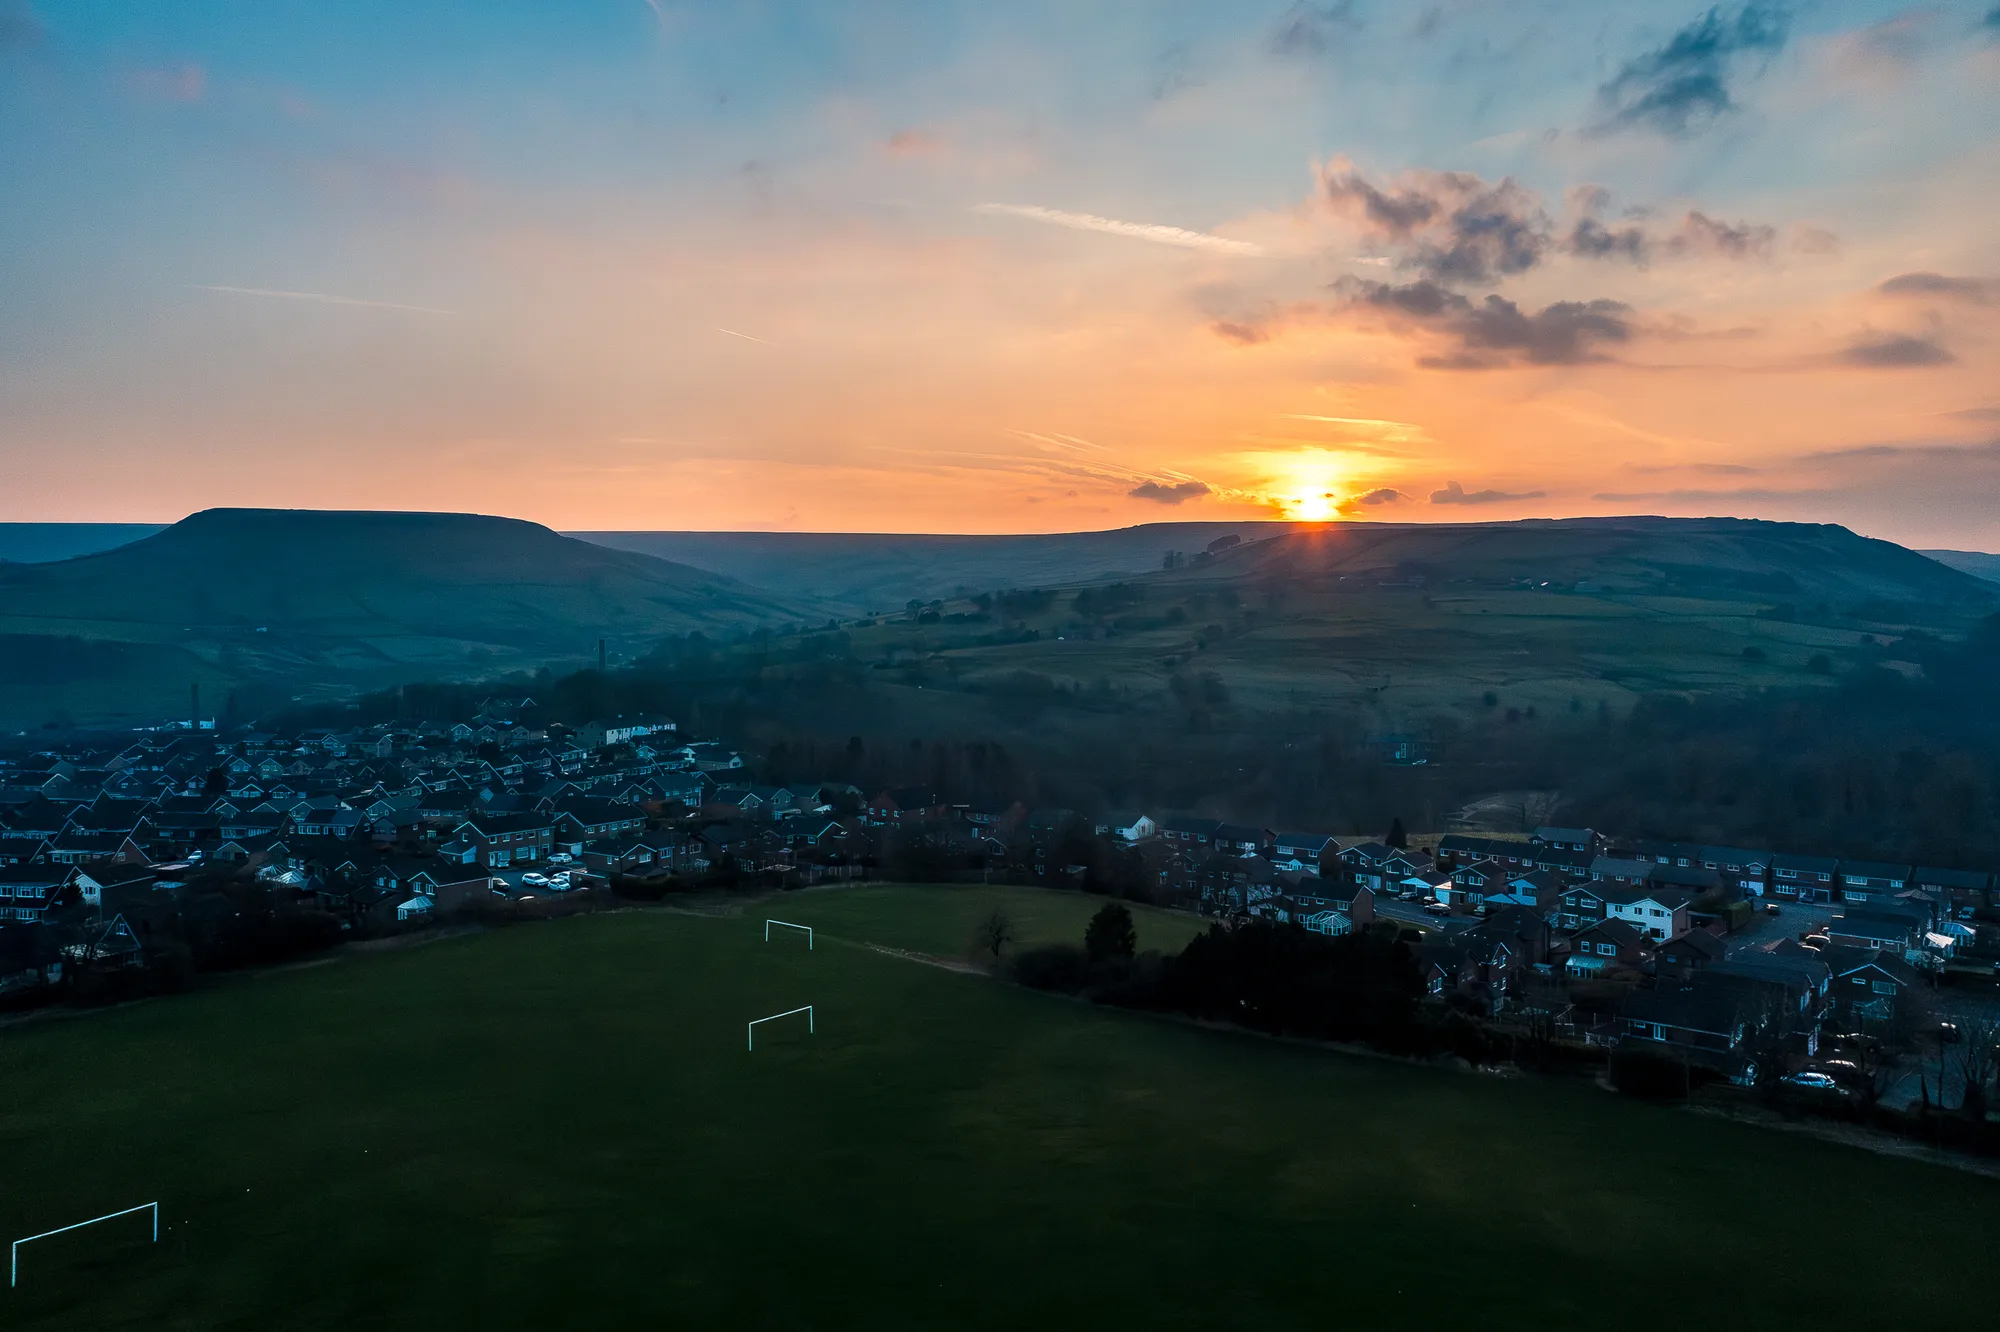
{"x": 1002, "y": 267}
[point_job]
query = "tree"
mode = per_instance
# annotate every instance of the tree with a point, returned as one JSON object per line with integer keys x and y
{"x": 995, "y": 932}
{"x": 1396, "y": 836}
{"x": 1110, "y": 934}
{"x": 1976, "y": 1057}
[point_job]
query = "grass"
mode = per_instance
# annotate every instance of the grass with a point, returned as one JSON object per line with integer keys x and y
{"x": 559, "y": 1124}
{"x": 941, "y": 920}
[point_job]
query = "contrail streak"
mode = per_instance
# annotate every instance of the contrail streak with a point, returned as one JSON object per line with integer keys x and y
{"x": 1146, "y": 231}
{"x": 320, "y": 297}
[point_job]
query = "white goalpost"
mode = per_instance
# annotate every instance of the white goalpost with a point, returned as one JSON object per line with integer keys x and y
{"x": 14, "y": 1258}
{"x": 788, "y": 925}
{"x": 750, "y": 1032}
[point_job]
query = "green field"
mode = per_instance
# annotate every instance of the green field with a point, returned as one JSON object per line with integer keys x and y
{"x": 559, "y": 1125}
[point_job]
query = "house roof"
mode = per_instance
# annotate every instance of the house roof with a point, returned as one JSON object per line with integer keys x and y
{"x": 1622, "y": 933}
{"x": 1699, "y": 942}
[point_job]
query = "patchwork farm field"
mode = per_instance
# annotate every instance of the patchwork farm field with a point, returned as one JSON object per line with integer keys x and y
{"x": 559, "y": 1124}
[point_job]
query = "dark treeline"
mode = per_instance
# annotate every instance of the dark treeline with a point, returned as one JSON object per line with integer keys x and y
{"x": 1899, "y": 759}
{"x": 222, "y": 919}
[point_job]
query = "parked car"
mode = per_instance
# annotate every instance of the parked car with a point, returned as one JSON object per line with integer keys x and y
{"x": 1947, "y": 1033}
{"x": 561, "y": 858}
{"x": 1437, "y": 908}
{"x": 1772, "y": 909}
{"x": 1814, "y": 1081}
{"x": 559, "y": 882}
{"x": 533, "y": 879}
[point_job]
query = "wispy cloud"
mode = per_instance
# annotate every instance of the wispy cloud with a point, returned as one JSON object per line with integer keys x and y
{"x": 172, "y": 83}
{"x": 1746, "y": 495}
{"x": 914, "y": 143}
{"x": 19, "y": 26}
{"x": 1155, "y": 232}
{"x": 745, "y": 336}
{"x": 1973, "y": 290}
{"x": 1174, "y": 492}
{"x": 1895, "y": 351}
{"x": 1454, "y": 493}
{"x": 319, "y": 297}
{"x": 1683, "y": 86}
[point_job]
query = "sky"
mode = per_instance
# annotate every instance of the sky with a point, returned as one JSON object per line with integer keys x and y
{"x": 988, "y": 268}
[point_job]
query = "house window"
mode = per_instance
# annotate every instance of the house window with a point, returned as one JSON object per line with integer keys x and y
{"x": 1884, "y": 987}
{"x": 1607, "y": 949}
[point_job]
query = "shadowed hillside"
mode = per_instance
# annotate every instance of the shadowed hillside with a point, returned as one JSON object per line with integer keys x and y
{"x": 1977, "y": 563}
{"x": 311, "y": 599}
{"x": 868, "y": 572}
{"x": 863, "y": 572}
{"x": 1697, "y": 557}
{"x": 39, "y": 543}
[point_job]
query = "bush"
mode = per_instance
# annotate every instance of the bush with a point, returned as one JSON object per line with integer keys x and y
{"x": 1063, "y": 968}
{"x": 1657, "y": 1076}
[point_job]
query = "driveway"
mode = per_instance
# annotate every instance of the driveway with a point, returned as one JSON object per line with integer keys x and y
{"x": 1792, "y": 920}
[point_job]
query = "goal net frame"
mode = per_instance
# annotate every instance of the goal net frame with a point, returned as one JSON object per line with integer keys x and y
{"x": 750, "y": 1031}
{"x": 788, "y": 925}
{"x": 14, "y": 1255}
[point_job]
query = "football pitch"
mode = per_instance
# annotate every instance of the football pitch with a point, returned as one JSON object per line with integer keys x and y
{"x": 559, "y": 1124}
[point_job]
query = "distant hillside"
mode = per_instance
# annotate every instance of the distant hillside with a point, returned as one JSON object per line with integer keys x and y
{"x": 863, "y": 572}
{"x": 1977, "y": 563}
{"x": 1707, "y": 558}
{"x": 316, "y": 599}
{"x": 858, "y": 572}
{"x": 39, "y": 543}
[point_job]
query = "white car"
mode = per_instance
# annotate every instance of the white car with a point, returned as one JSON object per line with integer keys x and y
{"x": 1816, "y": 1081}
{"x": 534, "y": 880}
{"x": 559, "y": 882}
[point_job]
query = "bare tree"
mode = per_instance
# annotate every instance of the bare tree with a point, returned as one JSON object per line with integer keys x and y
{"x": 1976, "y": 1057}
{"x": 995, "y": 932}
{"x": 1767, "y": 1037}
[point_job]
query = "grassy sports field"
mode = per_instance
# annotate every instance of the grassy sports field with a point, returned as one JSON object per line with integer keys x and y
{"x": 559, "y": 1124}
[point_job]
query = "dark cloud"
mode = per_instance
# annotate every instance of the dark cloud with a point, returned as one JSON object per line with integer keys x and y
{"x": 1592, "y": 239}
{"x": 1707, "y": 469}
{"x": 1168, "y": 492}
{"x": 1977, "y": 414}
{"x": 19, "y": 27}
{"x": 1313, "y": 30}
{"x": 1741, "y": 240}
{"x": 1456, "y": 228}
{"x": 1375, "y": 498}
{"x": 1978, "y": 291}
{"x": 1496, "y": 331}
{"x": 1454, "y": 493}
{"x": 1924, "y": 449}
{"x": 1396, "y": 211}
{"x": 1699, "y": 496}
{"x": 1895, "y": 351}
{"x": 1452, "y": 225}
{"x": 1245, "y": 334}
{"x": 1634, "y": 240}
{"x": 1422, "y": 299}
{"x": 1499, "y": 231}
{"x": 1682, "y": 87}
{"x": 1566, "y": 333}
